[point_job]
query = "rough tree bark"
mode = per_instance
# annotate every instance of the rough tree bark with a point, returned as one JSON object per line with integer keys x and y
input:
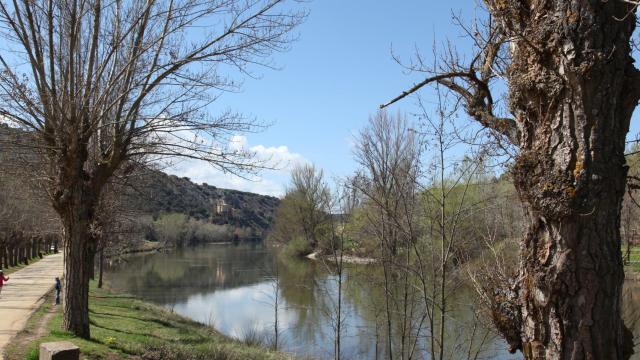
{"x": 76, "y": 212}
{"x": 76, "y": 284}
{"x": 572, "y": 90}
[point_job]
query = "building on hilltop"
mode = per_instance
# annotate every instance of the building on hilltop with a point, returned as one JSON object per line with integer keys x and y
{"x": 222, "y": 208}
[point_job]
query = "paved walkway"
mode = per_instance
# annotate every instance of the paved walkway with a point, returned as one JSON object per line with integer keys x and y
{"x": 24, "y": 293}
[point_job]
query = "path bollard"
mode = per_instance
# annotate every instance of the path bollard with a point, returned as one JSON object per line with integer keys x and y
{"x": 62, "y": 350}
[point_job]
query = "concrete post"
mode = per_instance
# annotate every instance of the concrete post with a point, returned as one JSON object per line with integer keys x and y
{"x": 62, "y": 350}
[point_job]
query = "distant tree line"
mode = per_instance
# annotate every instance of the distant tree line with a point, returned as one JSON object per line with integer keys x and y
{"x": 181, "y": 230}
{"x": 29, "y": 227}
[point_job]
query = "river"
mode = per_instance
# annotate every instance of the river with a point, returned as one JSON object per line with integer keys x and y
{"x": 233, "y": 287}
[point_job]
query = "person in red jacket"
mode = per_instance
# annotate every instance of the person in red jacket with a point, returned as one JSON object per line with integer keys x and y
{"x": 2, "y": 280}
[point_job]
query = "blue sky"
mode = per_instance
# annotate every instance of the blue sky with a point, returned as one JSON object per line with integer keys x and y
{"x": 331, "y": 80}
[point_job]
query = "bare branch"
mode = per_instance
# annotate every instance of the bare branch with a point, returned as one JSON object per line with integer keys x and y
{"x": 472, "y": 82}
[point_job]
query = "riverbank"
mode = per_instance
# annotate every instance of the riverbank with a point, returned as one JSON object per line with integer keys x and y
{"x": 146, "y": 246}
{"x": 346, "y": 259}
{"x": 137, "y": 247}
{"x": 123, "y": 327}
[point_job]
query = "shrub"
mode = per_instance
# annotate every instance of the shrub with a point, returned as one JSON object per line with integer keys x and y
{"x": 298, "y": 247}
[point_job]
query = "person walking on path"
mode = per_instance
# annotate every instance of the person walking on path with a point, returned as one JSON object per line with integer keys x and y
{"x": 58, "y": 289}
{"x": 2, "y": 280}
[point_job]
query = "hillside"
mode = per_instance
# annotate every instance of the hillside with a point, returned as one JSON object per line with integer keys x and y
{"x": 147, "y": 191}
{"x": 155, "y": 192}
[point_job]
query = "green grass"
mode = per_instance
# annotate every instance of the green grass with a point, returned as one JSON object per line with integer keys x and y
{"x": 123, "y": 327}
{"x": 634, "y": 263}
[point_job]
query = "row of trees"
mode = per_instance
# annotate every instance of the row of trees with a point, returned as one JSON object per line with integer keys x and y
{"x": 29, "y": 227}
{"x": 102, "y": 86}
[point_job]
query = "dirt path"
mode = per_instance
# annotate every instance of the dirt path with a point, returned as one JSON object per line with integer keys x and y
{"x": 24, "y": 292}
{"x": 33, "y": 331}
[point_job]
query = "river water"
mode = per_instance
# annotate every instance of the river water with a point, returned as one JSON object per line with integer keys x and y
{"x": 233, "y": 288}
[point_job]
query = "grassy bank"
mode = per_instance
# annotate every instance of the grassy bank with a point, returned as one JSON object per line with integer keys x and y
{"x": 123, "y": 327}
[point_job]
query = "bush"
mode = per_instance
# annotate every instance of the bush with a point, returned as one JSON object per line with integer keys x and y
{"x": 180, "y": 230}
{"x": 172, "y": 229}
{"x": 298, "y": 247}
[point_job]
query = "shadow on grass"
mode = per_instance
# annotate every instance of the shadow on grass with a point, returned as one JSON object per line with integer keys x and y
{"x": 130, "y": 349}
{"x": 114, "y": 346}
{"x": 141, "y": 334}
{"x": 123, "y": 306}
{"x": 112, "y": 297}
{"x": 160, "y": 322}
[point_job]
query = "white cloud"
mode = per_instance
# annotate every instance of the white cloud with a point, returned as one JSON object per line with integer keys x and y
{"x": 238, "y": 142}
{"x": 270, "y": 182}
{"x": 234, "y": 311}
{"x": 278, "y": 157}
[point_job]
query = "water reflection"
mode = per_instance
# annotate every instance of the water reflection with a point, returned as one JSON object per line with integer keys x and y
{"x": 232, "y": 287}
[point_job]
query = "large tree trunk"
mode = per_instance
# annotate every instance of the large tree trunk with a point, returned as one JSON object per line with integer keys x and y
{"x": 572, "y": 89}
{"x": 77, "y": 249}
{"x": 76, "y": 288}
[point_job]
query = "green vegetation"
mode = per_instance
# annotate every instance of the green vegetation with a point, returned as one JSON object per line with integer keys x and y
{"x": 298, "y": 247}
{"x": 180, "y": 230}
{"x": 304, "y": 213}
{"x": 124, "y": 327}
{"x": 159, "y": 193}
{"x": 633, "y": 262}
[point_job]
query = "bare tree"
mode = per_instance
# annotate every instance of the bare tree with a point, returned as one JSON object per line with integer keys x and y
{"x": 388, "y": 153}
{"x": 116, "y": 223}
{"x": 340, "y": 207}
{"x": 276, "y": 306}
{"x": 28, "y": 223}
{"x": 313, "y": 198}
{"x": 100, "y": 83}
{"x": 572, "y": 88}
{"x": 630, "y": 205}
{"x": 447, "y": 205}
{"x": 302, "y": 213}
